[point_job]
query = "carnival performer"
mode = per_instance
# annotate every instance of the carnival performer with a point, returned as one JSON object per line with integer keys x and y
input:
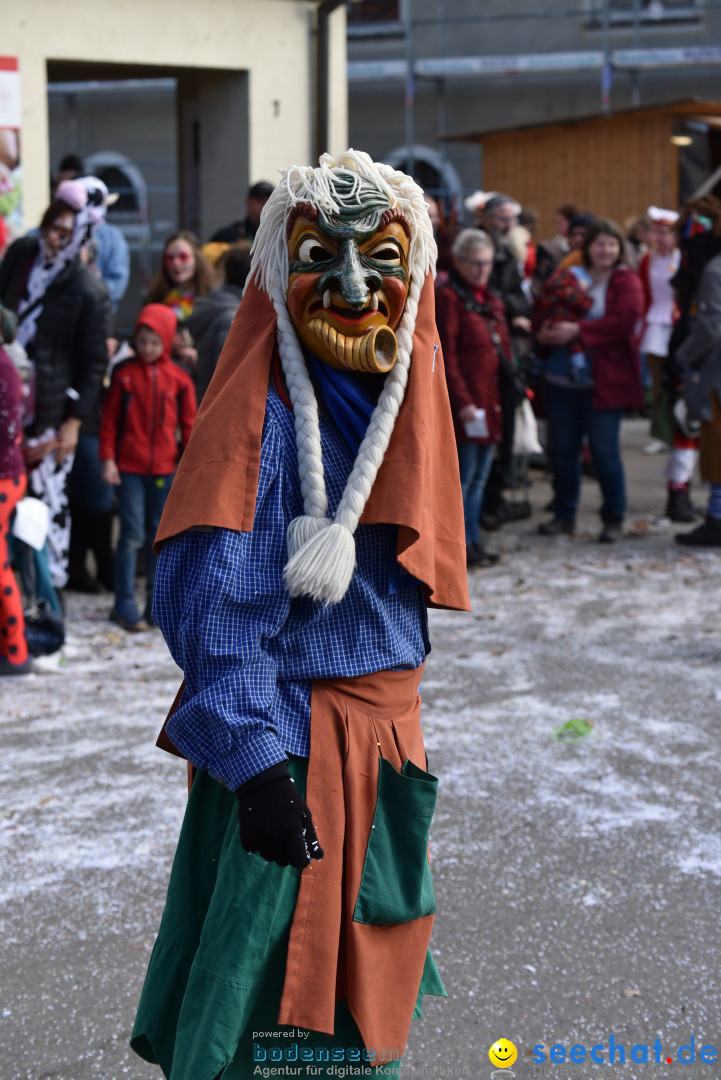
{"x": 315, "y": 512}
{"x": 14, "y": 658}
{"x": 657, "y": 270}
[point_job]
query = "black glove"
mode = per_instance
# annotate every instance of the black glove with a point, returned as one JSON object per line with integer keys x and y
{"x": 275, "y": 821}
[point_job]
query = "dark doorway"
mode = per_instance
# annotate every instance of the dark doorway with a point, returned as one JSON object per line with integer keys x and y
{"x": 174, "y": 147}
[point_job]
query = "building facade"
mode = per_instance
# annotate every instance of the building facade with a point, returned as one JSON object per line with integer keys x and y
{"x": 185, "y": 104}
{"x": 244, "y": 72}
{"x": 514, "y": 63}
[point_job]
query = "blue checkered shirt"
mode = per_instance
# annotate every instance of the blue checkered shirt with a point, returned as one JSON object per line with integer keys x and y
{"x": 247, "y": 649}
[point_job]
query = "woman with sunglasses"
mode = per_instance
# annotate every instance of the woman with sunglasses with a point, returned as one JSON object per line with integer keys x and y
{"x": 184, "y": 275}
{"x": 64, "y": 316}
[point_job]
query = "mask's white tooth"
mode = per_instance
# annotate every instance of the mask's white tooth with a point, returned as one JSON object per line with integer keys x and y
{"x": 326, "y": 298}
{"x": 374, "y": 301}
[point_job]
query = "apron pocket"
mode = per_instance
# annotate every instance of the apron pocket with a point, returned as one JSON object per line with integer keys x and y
{"x": 396, "y": 885}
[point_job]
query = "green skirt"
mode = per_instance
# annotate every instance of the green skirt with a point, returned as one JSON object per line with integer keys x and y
{"x": 211, "y": 996}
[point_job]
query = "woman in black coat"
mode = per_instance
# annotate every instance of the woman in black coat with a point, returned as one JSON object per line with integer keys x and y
{"x": 64, "y": 315}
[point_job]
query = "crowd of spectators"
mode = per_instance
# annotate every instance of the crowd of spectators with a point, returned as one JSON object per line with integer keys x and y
{"x": 92, "y": 427}
{"x": 589, "y": 325}
{"x": 594, "y": 324}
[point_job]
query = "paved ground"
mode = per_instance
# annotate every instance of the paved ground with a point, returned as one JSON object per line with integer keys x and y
{"x": 578, "y": 881}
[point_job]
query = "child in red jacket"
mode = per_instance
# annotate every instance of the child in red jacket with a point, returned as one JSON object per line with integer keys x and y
{"x": 150, "y": 397}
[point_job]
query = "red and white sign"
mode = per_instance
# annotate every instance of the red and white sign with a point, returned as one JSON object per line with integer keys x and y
{"x": 9, "y": 93}
{"x": 11, "y": 190}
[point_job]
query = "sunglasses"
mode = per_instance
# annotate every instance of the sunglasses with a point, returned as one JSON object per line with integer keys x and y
{"x": 180, "y": 256}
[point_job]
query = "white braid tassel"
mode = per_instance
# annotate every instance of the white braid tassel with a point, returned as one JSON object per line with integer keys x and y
{"x": 323, "y": 567}
{"x": 301, "y": 529}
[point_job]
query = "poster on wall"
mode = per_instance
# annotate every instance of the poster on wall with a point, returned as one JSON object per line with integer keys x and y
{"x": 11, "y": 191}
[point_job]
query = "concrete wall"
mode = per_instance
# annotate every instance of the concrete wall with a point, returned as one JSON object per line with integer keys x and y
{"x": 271, "y": 114}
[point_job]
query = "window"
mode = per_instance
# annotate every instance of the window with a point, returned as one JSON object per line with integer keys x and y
{"x": 371, "y": 17}
{"x": 648, "y": 12}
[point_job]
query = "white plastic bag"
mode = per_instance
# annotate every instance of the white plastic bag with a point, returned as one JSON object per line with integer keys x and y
{"x": 32, "y": 522}
{"x": 525, "y": 434}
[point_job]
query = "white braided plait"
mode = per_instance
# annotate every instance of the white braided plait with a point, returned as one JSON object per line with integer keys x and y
{"x": 322, "y": 552}
{"x": 305, "y": 412}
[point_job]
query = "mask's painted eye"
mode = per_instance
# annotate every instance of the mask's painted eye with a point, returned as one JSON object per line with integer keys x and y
{"x": 386, "y": 253}
{"x": 311, "y": 251}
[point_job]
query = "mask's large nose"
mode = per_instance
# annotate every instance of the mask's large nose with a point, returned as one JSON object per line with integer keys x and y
{"x": 350, "y": 278}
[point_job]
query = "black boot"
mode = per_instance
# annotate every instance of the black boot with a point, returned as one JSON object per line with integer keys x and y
{"x": 696, "y": 511}
{"x": 519, "y": 510}
{"x": 557, "y": 527}
{"x": 79, "y": 580}
{"x": 100, "y": 527}
{"x": 678, "y": 505}
{"x": 477, "y": 556}
{"x": 706, "y": 535}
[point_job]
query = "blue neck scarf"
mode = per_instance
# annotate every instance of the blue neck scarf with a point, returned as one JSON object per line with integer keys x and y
{"x": 350, "y": 400}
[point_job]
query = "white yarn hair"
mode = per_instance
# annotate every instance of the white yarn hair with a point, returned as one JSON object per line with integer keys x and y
{"x": 321, "y": 551}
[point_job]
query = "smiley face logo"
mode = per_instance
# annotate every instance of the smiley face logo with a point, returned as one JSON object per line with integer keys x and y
{"x": 503, "y": 1053}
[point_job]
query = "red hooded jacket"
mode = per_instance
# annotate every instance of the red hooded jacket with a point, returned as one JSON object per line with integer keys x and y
{"x": 146, "y": 404}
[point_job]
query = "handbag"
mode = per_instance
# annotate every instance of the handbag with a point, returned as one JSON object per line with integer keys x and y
{"x": 44, "y": 629}
{"x": 510, "y": 376}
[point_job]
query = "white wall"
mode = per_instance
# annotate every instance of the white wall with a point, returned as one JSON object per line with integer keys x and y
{"x": 271, "y": 39}
{"x": 338, "y": 125}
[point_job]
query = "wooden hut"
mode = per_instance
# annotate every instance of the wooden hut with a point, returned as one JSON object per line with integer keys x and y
{"x": 615, "y": 166}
